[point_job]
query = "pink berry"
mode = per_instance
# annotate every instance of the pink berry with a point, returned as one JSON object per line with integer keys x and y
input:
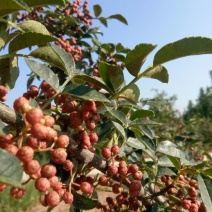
{"x": 17, "y": 193}
{"x": 115, "y": 150}
{"x": 52, "y": 198}
{"x": 59, "y": 155}
{"x": 34, "y": 115}
{"x": 63, "y": 141}
{"x": 106, "y": 152}
{"x": 68, "y": 197}
{"x": 48, "y": 170}
{"x": 42, "y": 184}
{"x": 86, "y": 187}
{"x": 25, "y": 154}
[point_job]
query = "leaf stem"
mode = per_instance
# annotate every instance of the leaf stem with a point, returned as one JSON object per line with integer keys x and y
{"x": 11, "y": 24}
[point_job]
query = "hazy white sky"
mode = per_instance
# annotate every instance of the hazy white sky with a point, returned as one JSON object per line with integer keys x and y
{"x": 157, "y": 22}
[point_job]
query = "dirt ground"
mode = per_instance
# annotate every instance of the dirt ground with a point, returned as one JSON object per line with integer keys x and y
{"x": 62, "y": 207}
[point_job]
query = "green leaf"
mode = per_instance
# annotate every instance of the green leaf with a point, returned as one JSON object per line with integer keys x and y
{"x": 104, "y": 129}
{"x": 135, "y": 143}
{"x": 29, "y": 39}
{"x": 159, "y": 72}
{"x": 33, "y": 3}
{"x": 136, "y": 57}
{"x": 9, "y": 71}
{"x": 4, "y": 33}
{"x": 97, "y": 10}
{"x": 120, "y": 116}
{"x": 11, "y": 170}
{"x": 119, "y": 18}
{"x": 207, "y": 172}
{"x": 44, "y": 72}
{"x": 47, "y": 54}
{"x": 34, "y": 26}
{"x": 168, "y": 148}
{"x": 141, "y": 114}
{"x": 165, "y": 171}
{"x": 83, "y": 202}
{"x": 120, "y": 129}
{"x": 182, "y": 48}
{"x": 204, "y": 193}
{"x": 4, "y": 130}
{"x": 142, "y": 121}
{"x": 164, "y": 161}
{"x": 175, "y": 161}
{"x": 131, "y": 94}
{"x": 14, "y": 5}
{"x": 120, "y": 48}
{"x": 66, "y": 58}
{"x": 112, "y": 76}
{"x": 146, "y": 130}
{"x": 85, "y": 92}
{"x": 96, "y": 81}
{"x": 103, "y": 21}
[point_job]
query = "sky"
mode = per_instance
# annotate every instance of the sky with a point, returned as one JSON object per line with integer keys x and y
{"x": 156, "y": 22}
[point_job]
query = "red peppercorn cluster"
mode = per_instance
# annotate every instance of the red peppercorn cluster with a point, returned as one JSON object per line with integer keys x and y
{"x": 184, "y": 194}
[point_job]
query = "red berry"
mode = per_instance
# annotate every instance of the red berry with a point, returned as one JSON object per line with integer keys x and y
{"x": 25, "y": 154}
{"x": 68, "y": 165}
{"x": 112, "y": 170}
{"x": 93, "y": 137}
{"x": 63, "y": 141}
{"x": 186, "y": 204}
{"x": 42, "y": 184}
{"x": 75, "y": 118}
{"x": 135, "y": 185}
{"x": 39, "y": 131}
{"x": 68, "y": 197}
{"x": 32, "y": 167}
{"x": 86, "y": 187}
{"x": 137, "y": 175}
{"x": 49, "y": 121}
{"x": 52, "y": 198}
{"x": 133, "y": 168}
{"x": 106, "y": 152}
{"x": 59, "y": 155}
{"x": 115, "y": 150}
{"x": 17, "y": 193}
{"x": 34, "y": 115}
{"x": 48, "y": 171}
{"x": 116, "y": 188}
{"x": 103, "y": 181}
{"x": 33, "y": 91}
{"x": 90, "y": 105}
{"x": 3, "y": 187}
{"x": 20, "y": 104}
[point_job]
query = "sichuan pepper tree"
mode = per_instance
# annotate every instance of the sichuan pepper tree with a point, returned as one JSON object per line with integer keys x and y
{"x": 84, "y": 116}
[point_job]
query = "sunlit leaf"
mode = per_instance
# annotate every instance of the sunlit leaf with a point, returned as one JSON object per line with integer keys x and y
{"x": 136, "y": 57}
{"x": 182, "y": 48}
{"x": 97, "y": 10}
{"x": 119, "y": 18}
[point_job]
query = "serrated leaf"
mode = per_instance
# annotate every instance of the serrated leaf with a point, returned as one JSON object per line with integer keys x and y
{"x": 141, "y": 114}
{"x": 97, "y": 10}
{"x": 120, "y": 116}
{"x": 4, "y": 130}
{"x": 9, "y": 71}
{"x": 34, "y": 26}
{"x": 14, "y": 5}
{"x": 131, "y": 94}
{"x": 44, "y": 72}
{"x": 119, "y": 18}
{"x": 11, "y": 170}
{"x": 29, "y": 39}
{"x": 135, "y": 143}
{"x": 111, "y": 75}
{"x": 141, "y": 121}
{"x": 120, "y": 129}
{"x": 136, "y": 57}
{"x": 4, "y": 33}
{"x": 182, "y": 48}
{"x": 83, "y": 202}
{"x": 33, "y": 3}
{"x": 103, "y": 21}
{"x": 168, "y": 148}
{"x": 85, "y": 92}
{"x": 159, "y": 72}
{"x": 66, "y": 58}
{"x": 204, "y": 193}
